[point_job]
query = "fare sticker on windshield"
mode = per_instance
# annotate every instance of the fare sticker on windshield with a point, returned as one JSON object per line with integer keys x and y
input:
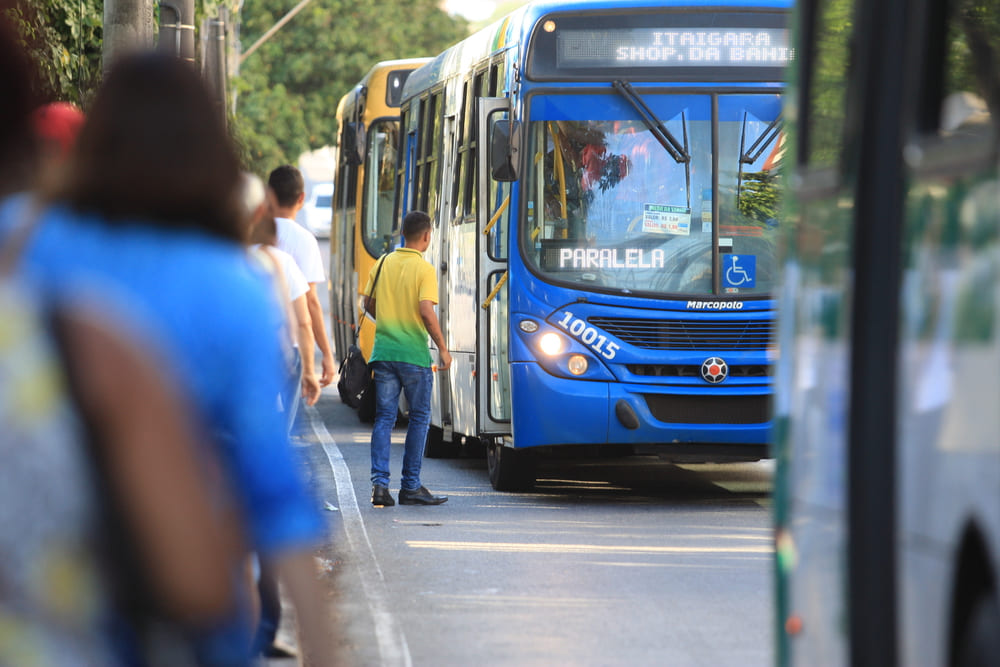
{"x": 658, "y": 219}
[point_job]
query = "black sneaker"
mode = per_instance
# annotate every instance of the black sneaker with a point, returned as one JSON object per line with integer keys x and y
{"x": 420, "y": 496}
{"x": 381, "y": 496}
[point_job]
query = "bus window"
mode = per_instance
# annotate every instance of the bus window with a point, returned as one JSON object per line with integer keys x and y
{"x": 499, "y": 403}
{"x": 472, "y": 184}
{"x": 495, "y": 77}
{"x": 499, "y": 205}
{"x": 347, "y": 192}
{"x": 428, "y": 149}
{"x": 433, "y": 151}
{"x": 403, "y": 197}
{"x": 394, "y": 86}
{"x": 469, "y": 167}
{"x": 461, "y": 168}
{"x": 420, "y": 170}
{"x": 383, "y": 138}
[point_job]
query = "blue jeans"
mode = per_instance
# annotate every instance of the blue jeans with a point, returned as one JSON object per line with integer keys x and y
{"x": 415, "y": 382}
{"x": 292, "y": 391}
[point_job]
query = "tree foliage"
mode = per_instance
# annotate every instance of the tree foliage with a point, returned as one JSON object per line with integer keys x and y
{"x": 288, "y": 90}
{"x": 64, "y": 37}
{"x": 760, "y": 196}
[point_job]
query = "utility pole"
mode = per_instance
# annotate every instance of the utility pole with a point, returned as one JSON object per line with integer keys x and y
{"x": 177, "y": 29}
{"x": 213, "y": 61}
{"x": 128, "y": 26}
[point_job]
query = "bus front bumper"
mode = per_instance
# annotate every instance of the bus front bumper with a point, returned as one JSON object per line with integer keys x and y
{"x": 552, "y": 411}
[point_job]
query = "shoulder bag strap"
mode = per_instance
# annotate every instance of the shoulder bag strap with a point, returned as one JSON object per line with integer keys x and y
{"x": 364, "y": 313}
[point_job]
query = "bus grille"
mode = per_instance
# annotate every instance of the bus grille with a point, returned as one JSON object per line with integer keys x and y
{"x": 679, "y": 409}
{"x": 688, "y": 334}
{"x": 682, "y": 370}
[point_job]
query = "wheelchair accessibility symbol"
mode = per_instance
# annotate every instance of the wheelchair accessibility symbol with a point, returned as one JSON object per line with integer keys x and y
{"x": 739, "y": 271}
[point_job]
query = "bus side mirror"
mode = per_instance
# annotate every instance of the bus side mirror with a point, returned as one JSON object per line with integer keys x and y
{"x": 505, "y": 147}
{"x": 353, "y": 144}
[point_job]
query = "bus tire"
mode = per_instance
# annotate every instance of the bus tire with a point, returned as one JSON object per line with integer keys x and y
{"x": 510, "y": 469}
{"x": 980, "y": 643}
{"x": 437, "y": 447}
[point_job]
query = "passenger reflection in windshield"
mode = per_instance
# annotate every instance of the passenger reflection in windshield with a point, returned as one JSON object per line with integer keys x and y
{"x": 564, "y": 167}
{"x": 579, "y": 164}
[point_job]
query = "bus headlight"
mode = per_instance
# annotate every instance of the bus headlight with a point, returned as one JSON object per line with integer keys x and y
{"x": 551, "y": 344}
{"x": 528, "y": 326}
{"x": 578, "y": 364}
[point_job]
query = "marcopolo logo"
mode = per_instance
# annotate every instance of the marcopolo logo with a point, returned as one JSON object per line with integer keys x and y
{"x": 714, "y": 370}
{"x": 715, "y": 305}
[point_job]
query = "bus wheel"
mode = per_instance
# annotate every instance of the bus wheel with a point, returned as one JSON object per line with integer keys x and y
{"x": 510, "y": 469}
{"x": 437, "y": 447}
{"x": 980, "y": 645}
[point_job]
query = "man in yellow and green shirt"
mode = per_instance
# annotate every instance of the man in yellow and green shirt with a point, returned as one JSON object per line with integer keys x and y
{"x": 405, "y": 293}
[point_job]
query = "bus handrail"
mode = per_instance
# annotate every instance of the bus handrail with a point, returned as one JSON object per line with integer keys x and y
{"x": 493, "y": 293}
{"x": 560, "y": 169}
{"x": 496, "y": 216}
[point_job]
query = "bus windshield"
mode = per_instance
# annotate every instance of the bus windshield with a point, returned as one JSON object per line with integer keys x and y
{"x": 610, "y": 207}
{"x": 379, "y": 188}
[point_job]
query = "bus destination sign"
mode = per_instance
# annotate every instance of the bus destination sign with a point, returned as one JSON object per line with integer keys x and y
{"x": 687, "y": 47}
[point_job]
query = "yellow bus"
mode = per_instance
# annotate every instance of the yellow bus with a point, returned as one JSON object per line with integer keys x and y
{"x": 361, "y": 230}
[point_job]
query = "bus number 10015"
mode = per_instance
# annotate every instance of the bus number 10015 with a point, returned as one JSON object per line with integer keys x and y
{"x": 588, "y": 335}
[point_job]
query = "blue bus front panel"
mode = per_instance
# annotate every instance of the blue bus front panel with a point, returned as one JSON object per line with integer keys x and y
{"x": 555, "y": 411}
{"x": 599, "y": 373}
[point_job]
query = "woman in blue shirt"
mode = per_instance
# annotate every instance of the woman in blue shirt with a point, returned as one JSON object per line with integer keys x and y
{"x": 148, "y": 218}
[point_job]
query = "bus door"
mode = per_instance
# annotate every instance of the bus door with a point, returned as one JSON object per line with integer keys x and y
{"x": 443, "y": 237}
{"x": 494, "y": 203}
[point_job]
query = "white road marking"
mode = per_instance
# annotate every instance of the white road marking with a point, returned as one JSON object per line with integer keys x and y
{"x": 392, "y": 645}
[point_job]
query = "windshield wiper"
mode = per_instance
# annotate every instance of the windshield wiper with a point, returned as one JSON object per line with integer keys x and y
{"x": 757, "y": 148}
{"x": 677, "y": 150}
{"x": 656, "y": 127}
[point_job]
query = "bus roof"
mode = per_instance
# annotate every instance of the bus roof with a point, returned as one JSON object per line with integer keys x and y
{"x": 375, "y": 77}
{"x": 399, "y": 63}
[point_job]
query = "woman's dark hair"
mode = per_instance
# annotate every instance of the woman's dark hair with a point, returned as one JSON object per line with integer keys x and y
{"x": 154, "y": 151}
{"x": 18, "y": 98}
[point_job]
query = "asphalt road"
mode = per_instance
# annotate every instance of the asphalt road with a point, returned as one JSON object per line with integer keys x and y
{"x": 629, "y": 561}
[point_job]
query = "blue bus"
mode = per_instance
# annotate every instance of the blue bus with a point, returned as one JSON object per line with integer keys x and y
{"x": 601, "y": 179}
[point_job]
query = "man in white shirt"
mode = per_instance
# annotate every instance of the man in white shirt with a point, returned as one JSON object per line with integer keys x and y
{"x": 287, "y": 190}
